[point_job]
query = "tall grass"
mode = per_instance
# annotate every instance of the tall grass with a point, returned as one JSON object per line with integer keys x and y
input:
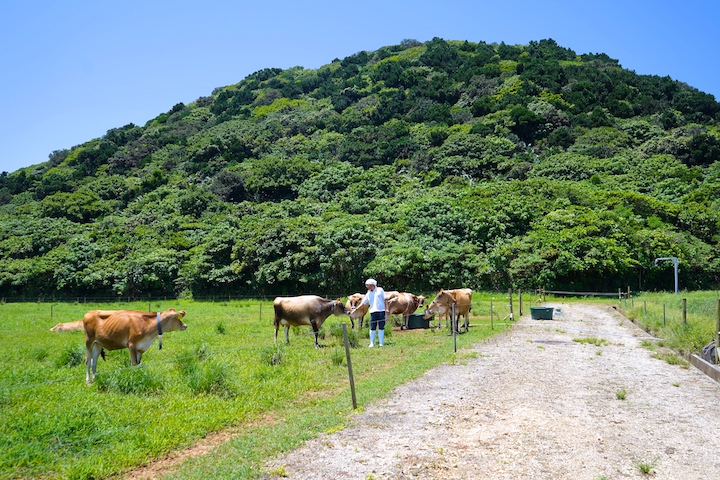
{"x": 223, "y": 371}
{"x": 646, "y": 309}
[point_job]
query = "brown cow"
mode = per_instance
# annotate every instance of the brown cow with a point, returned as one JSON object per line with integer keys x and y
{"x": 442, "y": 311}
{"x": 354, "y": 301}
{"x": 403, "y": 303}
{"x": 131, "y": 329}
{"x": 68, "y": 327}
{"x": 304, "y": 310}
{"x": 457, "y": 300}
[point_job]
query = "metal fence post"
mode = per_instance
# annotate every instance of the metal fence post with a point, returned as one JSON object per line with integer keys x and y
{"x": 492, "y": 327}
{"x": 520, "y": 302}
{"x": 511, "y": 305}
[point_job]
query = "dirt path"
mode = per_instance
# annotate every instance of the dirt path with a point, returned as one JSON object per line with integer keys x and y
{"x": 533, "y": 403}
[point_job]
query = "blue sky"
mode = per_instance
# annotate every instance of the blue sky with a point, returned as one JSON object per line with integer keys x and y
{"x": 72, "y": 70}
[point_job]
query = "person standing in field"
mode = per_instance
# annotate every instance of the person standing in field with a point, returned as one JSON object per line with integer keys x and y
{"x": 375, "y": 298}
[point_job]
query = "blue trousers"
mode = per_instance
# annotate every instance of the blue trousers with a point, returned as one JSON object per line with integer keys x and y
{"x": 377, "y": 320}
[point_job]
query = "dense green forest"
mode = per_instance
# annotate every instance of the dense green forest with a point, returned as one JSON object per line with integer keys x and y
{"x": 426, "y": 165}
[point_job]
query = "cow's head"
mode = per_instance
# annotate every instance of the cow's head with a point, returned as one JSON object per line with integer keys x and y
{"x": 353, "y": 301}
{"x": 339, "y": 308}
{"x": 436, "y": 306}
{"x": 430, "y": 311}
{"x": 172, "y": 320}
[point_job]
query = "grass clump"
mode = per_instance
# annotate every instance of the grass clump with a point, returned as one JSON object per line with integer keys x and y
{"x": 71, "y": 356}
{"x": 272, "y": 356}
{"x": 646, "y": 467}
{"x": 337, "y": 357}
{"x": 211, "y": 377}
{"x": 138, "y": 380}
{"x": 598, "y": 342}
{"x": 671, "y": 358}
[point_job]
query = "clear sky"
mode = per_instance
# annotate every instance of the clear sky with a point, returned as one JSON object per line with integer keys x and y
{"x": 71, "y": 70}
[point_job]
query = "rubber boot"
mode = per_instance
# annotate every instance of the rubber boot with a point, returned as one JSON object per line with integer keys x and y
{"x": 381, "y": 337}
{"x": 372, "y": 339}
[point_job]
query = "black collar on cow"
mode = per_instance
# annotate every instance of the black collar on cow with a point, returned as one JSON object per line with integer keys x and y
{"x": 159, "y": 331}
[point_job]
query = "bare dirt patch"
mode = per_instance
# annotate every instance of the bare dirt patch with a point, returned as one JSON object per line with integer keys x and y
{"x": 533, "y": 403}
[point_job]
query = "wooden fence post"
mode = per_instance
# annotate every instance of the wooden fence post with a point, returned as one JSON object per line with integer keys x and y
{"x": 349, "y": 362}
{"x": 684, "y": 312}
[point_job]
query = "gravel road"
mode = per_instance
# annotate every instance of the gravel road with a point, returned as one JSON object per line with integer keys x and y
{"x": 533, "y": 403}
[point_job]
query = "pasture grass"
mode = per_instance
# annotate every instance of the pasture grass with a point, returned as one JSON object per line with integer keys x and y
{"x": 223, "y": 373}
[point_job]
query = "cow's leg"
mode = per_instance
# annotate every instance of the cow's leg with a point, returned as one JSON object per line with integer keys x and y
{"x": 277, "y": 327}
{"x": 88, "y": 362}
{"x": 287, "y": 334}
{"x": 315, "y": 331}
{"x": 360, "y": 323}
{"x": 135, "y": 356}
{"x": 93, "y": 358}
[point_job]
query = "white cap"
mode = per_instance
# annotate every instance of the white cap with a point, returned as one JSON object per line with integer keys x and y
{"x": 371, "y": 281}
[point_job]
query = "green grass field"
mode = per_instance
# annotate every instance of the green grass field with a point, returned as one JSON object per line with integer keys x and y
{"x": 222, "y": 372}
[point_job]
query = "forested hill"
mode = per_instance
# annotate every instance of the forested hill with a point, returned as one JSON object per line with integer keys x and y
{"x": 426, "y": 165}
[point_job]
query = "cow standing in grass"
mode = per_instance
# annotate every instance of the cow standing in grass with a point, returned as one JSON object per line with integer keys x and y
{"x": 304, "y": 310}
{"x": 448, "y": 301}
{"x": 354, "y": 304}
{"x": 403, "y": 303}
{"x": 131, "y": 329}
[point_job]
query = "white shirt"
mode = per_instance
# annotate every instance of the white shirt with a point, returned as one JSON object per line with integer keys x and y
{"x": 376, "y": 299}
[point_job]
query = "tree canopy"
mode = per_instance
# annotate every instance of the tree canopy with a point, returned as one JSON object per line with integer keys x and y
{"x": 425, "y": 165}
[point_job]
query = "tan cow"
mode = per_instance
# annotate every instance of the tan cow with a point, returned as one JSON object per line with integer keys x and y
{"x": 353, "y": 301}
{"x": 131, "y": 329}
{"x": 304, "y": 310}
{"x": 446, "y": 301}
{"x": 67, "y": 327}
{"x": 403, "y": 303}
